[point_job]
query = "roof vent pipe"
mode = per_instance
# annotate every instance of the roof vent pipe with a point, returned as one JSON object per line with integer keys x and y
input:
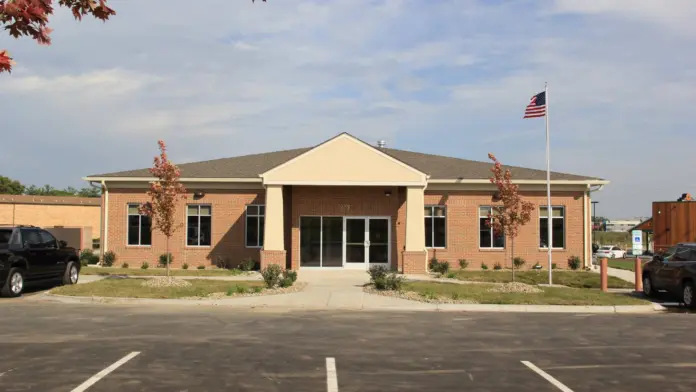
{"x": 381, "y": 143}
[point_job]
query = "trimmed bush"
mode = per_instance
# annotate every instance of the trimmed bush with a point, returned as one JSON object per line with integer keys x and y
{"x": 272, "y": 275}
{"x": 185, "y": 266}
{"x": 247, "y": 264}
{"x": 290, "y": 274}
{"x": 88, "y": 257}
{"x": 553, "y": 265}
{"x": 384, "y": 279}
{"x": 163, "y": 259}
{"x": 451, "y": 275}
{"x": 109, "y": 258}
{"x": 145, "y": 265}
{"x": 463, "y": 263}
{"x": 257, "y": 289}
{"x": 519, "y": 262}
{"x": 223, "y": 262}
{"x": 378, "y": 272}
{"x": 285, "y": 282}
{"x": 440, "y": 267}
{"x": 484, "y": 266}
{"x": 497, "y": 266}
{"x": 124, "y": 265}
{"x": 201, "y": 267}
{"x": 241, "y": 289}
{"x": 574, "y": 263}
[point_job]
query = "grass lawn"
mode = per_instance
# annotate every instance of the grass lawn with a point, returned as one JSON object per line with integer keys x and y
{"x": 578, "y": 279}
{"x": 550, "y": 296}
{"x": 133, "y": 288}
{"x": 158, "y": 271}
{"x": 628, "y": 265}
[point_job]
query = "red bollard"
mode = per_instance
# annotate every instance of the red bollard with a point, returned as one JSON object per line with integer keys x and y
{"x": 603, "y": 265}
{"x": 639, "y": 274}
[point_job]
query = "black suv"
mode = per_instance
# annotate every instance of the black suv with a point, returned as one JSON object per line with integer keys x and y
{"x": 30, "y": 253}
{"x": 673, "y": 271}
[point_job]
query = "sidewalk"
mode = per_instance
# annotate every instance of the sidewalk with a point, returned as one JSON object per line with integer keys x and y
{"x": 628, "y": 276}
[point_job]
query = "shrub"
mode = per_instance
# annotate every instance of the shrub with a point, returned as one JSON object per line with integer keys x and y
{"x": 384, "y": 279}
{"x": 145, "y": 265}
{"x": 518, "y": 262}
{"x": 247, "y": 264}
{"x": 497, "y": 266}
{"x": 441, "y": 267}
{"x": 185, "y": 266}
{"x": 574, "y": 262}
{"x": 451, "y": 275}
{"x": 230, "y": 291}
{"x": 201, "y": 267}
{"x": 290, "y": 274}
{"x": 455, "y": 296}
{"x": 484, "y": 266}
{"x": 429, "y": 294}
{"x": 88, "y": 257}
{"x": 258, "y": 289}
{"x": 163, "y": 259}
{"x": 285, "y": 282}
{"x": 463, "y": 263}
{"x": 241, "y": 289}
{"x": 553, "y": 265}
{"x": 109, "y": 258}
{"x": 537, "y": 266}
{"x": 272, "y": 275}
{"x": 124, "y": 265}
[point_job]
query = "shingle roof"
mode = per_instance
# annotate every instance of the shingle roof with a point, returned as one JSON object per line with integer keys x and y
{"x": 438, "y": 167}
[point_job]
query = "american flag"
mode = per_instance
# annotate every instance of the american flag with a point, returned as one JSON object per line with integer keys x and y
{"x": 537, "y": 106}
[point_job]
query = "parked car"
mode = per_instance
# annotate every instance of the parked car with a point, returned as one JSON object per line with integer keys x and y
{"x": 29, "y": 253}
{"x": 611, "y": 251}
{"x": 673, "y": 271}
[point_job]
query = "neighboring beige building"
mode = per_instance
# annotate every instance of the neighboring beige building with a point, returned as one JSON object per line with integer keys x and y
{"x": 345, "y": 204}
{"x": 53, "y": 212}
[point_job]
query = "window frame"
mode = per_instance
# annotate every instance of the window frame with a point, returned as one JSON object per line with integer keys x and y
{"x": 198, "y": 206}
{"x": 478, "y": 223}
{"x": 563, "y": 218}
{"x": 259, "y": 243}
{"x": 433, "y": 217}
{"x": 140, "y": 227}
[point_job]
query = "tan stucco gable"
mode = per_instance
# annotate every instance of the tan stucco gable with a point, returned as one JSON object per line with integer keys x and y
{"x": 344, "y": 160}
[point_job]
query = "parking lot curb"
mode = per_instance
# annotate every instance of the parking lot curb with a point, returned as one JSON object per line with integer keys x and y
{"x": 416, "y": 306}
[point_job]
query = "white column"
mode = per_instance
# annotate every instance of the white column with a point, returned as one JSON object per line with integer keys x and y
{"x": 415, "y": 219}
{"x": 273, "y": 238}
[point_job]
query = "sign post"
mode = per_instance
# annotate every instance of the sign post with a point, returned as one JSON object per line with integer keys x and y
{"x": 637, "y": 239}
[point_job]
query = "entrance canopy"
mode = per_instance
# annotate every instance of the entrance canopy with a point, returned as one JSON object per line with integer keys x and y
{"x": 344, "y": 160}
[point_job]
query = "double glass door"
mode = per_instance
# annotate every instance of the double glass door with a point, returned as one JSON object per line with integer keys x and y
{"x": 366, "y": 242}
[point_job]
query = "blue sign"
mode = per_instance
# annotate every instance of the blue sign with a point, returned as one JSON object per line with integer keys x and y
{"x": 637, "y": 242}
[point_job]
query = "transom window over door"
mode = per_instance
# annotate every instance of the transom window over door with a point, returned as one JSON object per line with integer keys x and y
{"x": 198, "y": 225}
{"x": 557, "y": 224}
{"x": 139, "y": 227}
{"x": 255, "y": 223}
{"x": 435, "y": 226}
{"x": 488, "y": 237}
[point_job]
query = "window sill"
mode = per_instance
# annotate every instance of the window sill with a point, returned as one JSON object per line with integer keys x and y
{"x": 139, "y": 246}
{"x": 492, "y": 249}
{"x": 197, "y": 246}
{"x": 435, "y": 248}
{"x": 253, "y": 247}
{"x": 552, "y": 249}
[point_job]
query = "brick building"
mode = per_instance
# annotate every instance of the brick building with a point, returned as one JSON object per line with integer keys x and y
{"x": 345, "y": 204}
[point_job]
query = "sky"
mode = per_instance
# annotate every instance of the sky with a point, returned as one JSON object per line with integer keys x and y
{"x": 221, "y": 78}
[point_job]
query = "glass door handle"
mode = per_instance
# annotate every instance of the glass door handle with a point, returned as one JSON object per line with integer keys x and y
{"x": 367, "y": 243}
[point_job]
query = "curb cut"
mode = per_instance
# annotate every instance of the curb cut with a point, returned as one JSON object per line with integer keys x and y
{"x": 417, "y": 306}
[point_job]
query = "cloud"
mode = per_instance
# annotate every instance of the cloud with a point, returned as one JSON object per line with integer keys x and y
{"x": 447, "y": 77}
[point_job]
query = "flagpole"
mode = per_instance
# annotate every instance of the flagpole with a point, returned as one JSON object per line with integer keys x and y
{"x": 549, "y": 215}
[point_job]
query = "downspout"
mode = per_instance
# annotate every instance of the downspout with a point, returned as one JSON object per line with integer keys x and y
{"x": 104, "y": 218}
{"x": 589, "y": 196}
{"x": 587, "y": 236}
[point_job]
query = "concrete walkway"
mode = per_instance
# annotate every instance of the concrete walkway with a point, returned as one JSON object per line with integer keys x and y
{"x": 628, "y": 276}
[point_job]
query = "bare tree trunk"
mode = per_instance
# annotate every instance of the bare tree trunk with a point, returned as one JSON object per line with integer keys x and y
{"x": 513, "y": 257}
{"x": 168, "y": 257}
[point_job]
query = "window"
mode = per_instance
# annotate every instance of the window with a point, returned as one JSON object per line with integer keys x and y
{"x": 198, "y": 225}
{"x": 31, "y": 238}
{"x": 139, "y": 227}
{"x": 557, "y": 225}
{"x": 255, "y": 225}
{"x": 435, "y": 227}
{"x": 488, "y": 237}
{"x": 47, "y": 240}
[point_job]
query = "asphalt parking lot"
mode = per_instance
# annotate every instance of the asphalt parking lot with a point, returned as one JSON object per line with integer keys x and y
{"x": 51, "y": 347}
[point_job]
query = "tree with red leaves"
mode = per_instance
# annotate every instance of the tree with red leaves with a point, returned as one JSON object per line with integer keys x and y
{"x": 30, "y": 18}
{"x": 164, "y": 193}
{"x": 514, "y": 212}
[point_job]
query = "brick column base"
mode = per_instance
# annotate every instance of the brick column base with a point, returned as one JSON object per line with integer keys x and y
{"x": 269, "y": 257}
{"x": 415, "y": 262}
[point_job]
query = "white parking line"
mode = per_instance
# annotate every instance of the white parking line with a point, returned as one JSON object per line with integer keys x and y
{"x": 331, "y": 377}
{"x": 548, "y": 377}
{"x": 92, "y": 380}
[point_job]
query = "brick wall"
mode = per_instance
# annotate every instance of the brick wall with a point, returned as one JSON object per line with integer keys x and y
{"x": 463, "y": 230}
{"x": 349, "y": 201}
{"x": 228, "y": 229}
{"x": 51, "y": 215}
